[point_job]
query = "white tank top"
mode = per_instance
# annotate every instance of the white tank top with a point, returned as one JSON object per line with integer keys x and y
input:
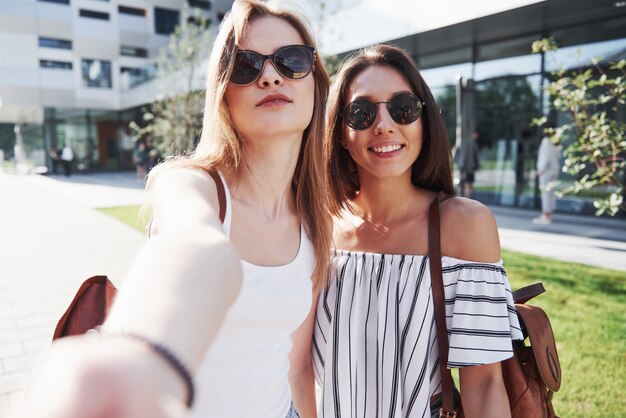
{"x": 244, "y": 373}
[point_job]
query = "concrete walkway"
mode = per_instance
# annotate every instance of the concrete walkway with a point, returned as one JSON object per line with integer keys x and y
{"x": 580, "y": 239}
{"x": 51, "y": 240}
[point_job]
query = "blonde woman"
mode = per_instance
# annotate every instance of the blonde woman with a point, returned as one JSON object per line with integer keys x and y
{"x": 266, "y": 92}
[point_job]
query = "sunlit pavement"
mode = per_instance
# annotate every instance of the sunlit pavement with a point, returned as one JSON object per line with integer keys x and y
{"x": 49, "y": 243}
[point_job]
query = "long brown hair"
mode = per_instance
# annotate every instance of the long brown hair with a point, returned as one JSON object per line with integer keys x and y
{"x": 221, "y": 147}
{"x": 433, "y": 167}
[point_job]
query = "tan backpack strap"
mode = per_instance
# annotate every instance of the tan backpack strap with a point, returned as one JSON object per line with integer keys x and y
{"x": 221, "y": 193}
{"x": 439, "y": 299}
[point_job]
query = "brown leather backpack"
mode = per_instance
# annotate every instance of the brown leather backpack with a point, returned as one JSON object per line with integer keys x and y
{"x": 88, "y": 309}
{"x": 532, "y": 375}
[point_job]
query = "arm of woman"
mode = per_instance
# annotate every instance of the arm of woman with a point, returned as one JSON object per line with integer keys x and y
{"x": 483, "y": 393}
{"x": 469, "y": 232}
{"x": 301, "y": 375}
{"x": 188, "y": 271}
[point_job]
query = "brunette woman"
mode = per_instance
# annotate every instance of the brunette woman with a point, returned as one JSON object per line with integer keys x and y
{"x": 375, "y": 348}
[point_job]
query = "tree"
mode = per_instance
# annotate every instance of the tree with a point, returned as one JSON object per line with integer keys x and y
{"x": 593, "y": 141}
{"x": 323, "y": 14}
{"x": 174, "y": 121}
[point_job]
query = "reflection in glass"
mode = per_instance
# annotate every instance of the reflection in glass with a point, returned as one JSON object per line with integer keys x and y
{"x": 446, "y": 76}
{"x": 96, "y": 73}
{"x": 527, "y": 64}
{"x": 505, "y": 107}
{"x": 581, "y": 55}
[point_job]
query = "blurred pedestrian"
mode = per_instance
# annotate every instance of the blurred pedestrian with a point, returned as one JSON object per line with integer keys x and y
{"x": 67, "y": 157}
{"x": 548, "y": 169}
{"x": 140, "y": 158}
{"x": 154, "y": 156}
{"x": 55, "y": 159}
{"x": 468, "y": 161}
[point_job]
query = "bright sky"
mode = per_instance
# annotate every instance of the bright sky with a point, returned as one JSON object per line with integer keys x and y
{"x": 357, "y": 23}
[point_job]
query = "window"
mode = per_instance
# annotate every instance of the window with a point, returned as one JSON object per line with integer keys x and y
{"x": 57, "y": 65}
{"x": 54, "y": 43}
{"x": 134, "y": 76}
{"x": 94, "y": 15}
{"x": 96, "y": 73}
{"x": 199, "y": 22}
{"x": 131, "y": 51}
{"x": 125, "y": 10}
{"x": 200, "y": 4}
{"x": 57, "y": 1}
{"x": 165, "y": 20}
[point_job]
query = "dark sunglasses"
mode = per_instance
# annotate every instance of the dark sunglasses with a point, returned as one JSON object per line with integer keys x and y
{"x": 293, "y": 62}
{"x": 405, "y": 108}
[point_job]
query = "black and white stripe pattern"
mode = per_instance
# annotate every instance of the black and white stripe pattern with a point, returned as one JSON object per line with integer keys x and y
{"x": 374, "y": 348}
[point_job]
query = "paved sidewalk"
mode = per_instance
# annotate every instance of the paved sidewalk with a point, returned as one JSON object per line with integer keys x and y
{"x": 49, "y": 243}
{"x": 51, "y": 240}
{"x": 579, "y": 239}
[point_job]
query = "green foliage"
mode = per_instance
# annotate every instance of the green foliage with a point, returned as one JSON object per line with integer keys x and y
{"x": 174, "y": 121}
{"x": 505, "y": 103}
{"x": 133, "y": 216}
{"x": 593, "y": 141}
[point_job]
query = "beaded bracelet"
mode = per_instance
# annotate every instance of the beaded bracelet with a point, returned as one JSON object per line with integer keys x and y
{"x": 161, "y": 351}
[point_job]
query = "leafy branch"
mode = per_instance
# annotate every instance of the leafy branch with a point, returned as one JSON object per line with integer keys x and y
{"x": 593, "y": 141}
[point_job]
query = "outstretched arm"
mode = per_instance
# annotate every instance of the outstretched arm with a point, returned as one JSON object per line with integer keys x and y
{"x": 177, "y": 293}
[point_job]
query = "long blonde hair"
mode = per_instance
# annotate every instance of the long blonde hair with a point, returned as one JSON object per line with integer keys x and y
{"x": 221, "y": 147}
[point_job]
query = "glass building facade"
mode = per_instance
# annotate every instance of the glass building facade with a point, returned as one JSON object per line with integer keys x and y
{"x": 495, "y": 53}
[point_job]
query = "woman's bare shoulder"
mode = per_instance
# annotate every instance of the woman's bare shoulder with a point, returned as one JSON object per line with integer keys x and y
{"x": 183, "y": 195}
{"x": 469, "y": 231}
{"x": 175, "y": 180}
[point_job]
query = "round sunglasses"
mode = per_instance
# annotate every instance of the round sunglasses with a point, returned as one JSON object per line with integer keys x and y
{"x": 293, "y": 62}
{"x": 405, "y": 108}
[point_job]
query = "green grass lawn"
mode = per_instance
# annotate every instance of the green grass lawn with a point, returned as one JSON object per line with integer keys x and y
{"x": 587, "y": 308}
{"x": 130, "y": 215}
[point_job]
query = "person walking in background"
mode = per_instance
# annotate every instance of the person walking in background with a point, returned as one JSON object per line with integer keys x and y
{"x": 548, "y": 169}
{"x": 468, "y": 161}
{"x": 375, "y": 338}
{"x": 54, "y": 158}
{"x": 67, "y": 157}
{"x": 262, "y": 146}
{"x": 154, "y": 156}
{"x": 140, "y": 158}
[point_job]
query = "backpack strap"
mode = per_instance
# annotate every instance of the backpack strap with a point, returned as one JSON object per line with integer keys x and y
{"x": 526, "y": 293}
{"x": 221, "y": 199}
{"x": 436, "y": 278}
{"x": 221, "y": 193}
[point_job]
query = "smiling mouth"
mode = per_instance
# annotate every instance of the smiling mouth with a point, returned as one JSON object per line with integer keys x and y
{"x": 386, "y": 149}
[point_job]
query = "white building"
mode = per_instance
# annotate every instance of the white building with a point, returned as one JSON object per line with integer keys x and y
{"x": 74, "y": 70}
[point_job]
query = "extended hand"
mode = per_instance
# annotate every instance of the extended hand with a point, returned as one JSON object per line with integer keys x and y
{"x": 103, "y": 377}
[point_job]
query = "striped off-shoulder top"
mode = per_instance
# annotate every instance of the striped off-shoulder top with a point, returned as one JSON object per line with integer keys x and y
{"x": 375, "y": 351}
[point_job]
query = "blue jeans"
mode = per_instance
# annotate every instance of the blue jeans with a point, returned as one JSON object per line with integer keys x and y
{"x": 292, "y": 412}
